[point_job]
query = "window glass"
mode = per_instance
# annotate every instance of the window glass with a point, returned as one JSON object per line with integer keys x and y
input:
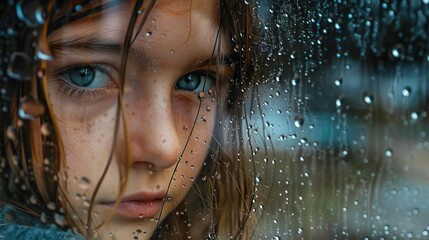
{"x": 344, "y": 126}
{"x": 214, "y": 119}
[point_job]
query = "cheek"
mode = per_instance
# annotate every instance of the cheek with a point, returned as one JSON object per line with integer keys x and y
{"x": 86, "y": 145}
{"x": 186, "y": 112}
{"x": 185, "y": 109}
{"x": 86, "y": 151}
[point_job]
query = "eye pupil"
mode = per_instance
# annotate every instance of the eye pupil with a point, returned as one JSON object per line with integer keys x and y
{"x": 189, "y": 82}
{"x": 82, "y": 76}
{"x": 189, "y": 79}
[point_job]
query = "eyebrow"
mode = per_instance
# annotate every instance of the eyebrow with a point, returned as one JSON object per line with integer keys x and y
{"x": 204, "y": 62}
{"x": 97, "y": 44}
{"x": 207, "y": 61}
{"x": 100, "y": 44}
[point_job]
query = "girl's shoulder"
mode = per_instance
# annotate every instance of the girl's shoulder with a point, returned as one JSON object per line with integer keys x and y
{"x": 15, "y": 224}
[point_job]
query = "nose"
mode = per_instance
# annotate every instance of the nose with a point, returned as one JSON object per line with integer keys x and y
{"x": 153, "y": 136}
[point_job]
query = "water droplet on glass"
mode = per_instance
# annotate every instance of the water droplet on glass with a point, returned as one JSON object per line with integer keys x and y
{"x": 368, "y": 99}
{"x": 148, "y": 34}
{"x": 84, "y": 183}
{"x": 298, "y": 121}
{"x": 201, "y": 95}
{"x": 414, "y": 116}
{"x": 60, "y": 220}
{"x": 45, "y": 129}
{"x": 30, "y": 108}
{"x": 29, "y": 13}
{"x": 44, "y": 56}
{"x": 338, "y": 82}
{"x": 33, "y": 199}
{"x": 11, "y": 133}
{"x": 43, "y": 217}
{"x": 78, "y": 196}
{"x": 86, "y": 203}
{"x": 337, "y": 26}
{"x": 77, "y": 7}
{"x": 395, "y": 53}
{"x": 44, "y": 51}
{"x": 388, "y": 152}
{"x": 208, "y": 109}
{"x": 339, "y": 102}
{"x": 51, "y": 206}
{"x": 295, "y": 81}
{"x": 19, "y": 66}
{"x": 406, "y": 91}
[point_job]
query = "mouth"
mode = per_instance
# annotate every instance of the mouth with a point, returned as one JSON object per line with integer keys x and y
{"x": 139, "y": 205}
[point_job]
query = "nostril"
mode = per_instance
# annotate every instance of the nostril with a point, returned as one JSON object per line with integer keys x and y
{"x": 156, "y": 150}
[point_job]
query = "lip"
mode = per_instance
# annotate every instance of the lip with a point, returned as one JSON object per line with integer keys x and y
{"x": 139, "y": 205}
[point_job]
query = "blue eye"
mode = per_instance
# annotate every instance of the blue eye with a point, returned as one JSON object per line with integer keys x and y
{"x": 196, "y": 81}
{"x": 86, "y": 76}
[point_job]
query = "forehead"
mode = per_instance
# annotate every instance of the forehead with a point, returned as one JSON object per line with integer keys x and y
{"x": 114, "y": 19}
{"x": 184, "y": 6}
{"x": 185, "y": 27}
{"x": 119, "y": 11}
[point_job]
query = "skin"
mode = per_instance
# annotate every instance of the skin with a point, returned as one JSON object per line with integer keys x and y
{"x": 159, "y": 116}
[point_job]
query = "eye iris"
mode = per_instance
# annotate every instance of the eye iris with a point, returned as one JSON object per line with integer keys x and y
{"x": 189, "y": 82}
{"x": 82, "y": 76}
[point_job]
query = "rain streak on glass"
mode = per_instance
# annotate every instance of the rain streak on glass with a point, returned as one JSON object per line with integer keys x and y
{"x": 351, "y": 128}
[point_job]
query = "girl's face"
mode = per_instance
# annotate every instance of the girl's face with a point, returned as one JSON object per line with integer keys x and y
{"x": 170, "y": 69}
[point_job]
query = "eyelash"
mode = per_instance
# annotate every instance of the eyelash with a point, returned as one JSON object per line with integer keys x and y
{"x": 207, "y": 83}
{"x": 71, "y": 90}
{"x": 79, "y": 93}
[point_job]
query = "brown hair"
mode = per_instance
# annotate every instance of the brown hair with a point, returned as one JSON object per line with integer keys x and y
{"x": 227, "y": 180}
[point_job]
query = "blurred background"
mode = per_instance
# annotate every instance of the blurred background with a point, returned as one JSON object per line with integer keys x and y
{"x": 340, "y": 118}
